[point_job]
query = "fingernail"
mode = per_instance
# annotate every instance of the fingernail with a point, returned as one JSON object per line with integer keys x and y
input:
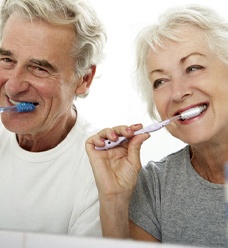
{"x": 114, "y": 135}
{"x": 129, "y": 130}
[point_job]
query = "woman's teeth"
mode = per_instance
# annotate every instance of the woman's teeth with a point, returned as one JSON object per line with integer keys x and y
{"x": 193, "y": 112}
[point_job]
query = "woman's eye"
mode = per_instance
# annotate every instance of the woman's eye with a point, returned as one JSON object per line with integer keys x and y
{"x": 194, "y": 68}
{"x": 158, "y": 83}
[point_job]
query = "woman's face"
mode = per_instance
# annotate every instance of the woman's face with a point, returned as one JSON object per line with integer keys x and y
{"x": 185, "y": 75}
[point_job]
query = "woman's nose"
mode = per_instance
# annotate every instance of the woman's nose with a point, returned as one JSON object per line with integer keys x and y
{"x": 180, "y": 89}
{"x": 16, "y": 82}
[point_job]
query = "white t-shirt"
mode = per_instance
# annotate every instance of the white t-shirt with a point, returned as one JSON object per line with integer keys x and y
{"x": 49, "y": 192}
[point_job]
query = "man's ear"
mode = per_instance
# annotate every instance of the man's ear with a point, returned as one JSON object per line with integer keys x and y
{"x": 86, "y": 81}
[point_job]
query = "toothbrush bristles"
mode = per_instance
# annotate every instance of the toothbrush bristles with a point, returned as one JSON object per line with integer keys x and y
{"x": 25, "y": 107}
{"x": 190, "y": 113}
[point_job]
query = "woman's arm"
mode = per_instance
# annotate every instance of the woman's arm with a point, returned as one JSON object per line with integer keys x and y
{"x": 138, "y": 233}
{"x": 116, "y": 171}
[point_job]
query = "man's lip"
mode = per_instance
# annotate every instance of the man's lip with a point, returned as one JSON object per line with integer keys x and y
{"x": 14, "y": 102}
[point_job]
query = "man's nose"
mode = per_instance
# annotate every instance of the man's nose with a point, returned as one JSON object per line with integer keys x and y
{"x": 17, "y": 81}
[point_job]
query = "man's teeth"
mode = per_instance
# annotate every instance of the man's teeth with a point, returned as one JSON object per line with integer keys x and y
{"x": 14, "y": 102}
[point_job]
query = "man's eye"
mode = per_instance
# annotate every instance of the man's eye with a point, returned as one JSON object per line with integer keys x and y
{"x": 6, "y": 62}
{"x": 38, "y": 71}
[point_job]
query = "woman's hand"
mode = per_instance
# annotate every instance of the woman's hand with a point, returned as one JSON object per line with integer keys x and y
{"x": 116, "y": 171}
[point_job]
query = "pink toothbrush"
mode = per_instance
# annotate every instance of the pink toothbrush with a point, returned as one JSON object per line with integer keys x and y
{"x": 154, "y": 127}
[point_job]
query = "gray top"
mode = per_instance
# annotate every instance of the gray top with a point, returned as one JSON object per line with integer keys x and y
{"x": 176, "y": 205}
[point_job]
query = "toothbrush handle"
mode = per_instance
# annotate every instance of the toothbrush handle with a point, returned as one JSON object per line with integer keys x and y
{"x": 8, "y": 109}
{"x": 151, "y": 128}
{"x": 110, "y": 144}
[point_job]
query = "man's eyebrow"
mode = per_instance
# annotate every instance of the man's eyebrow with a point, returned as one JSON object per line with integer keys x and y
{"x": 44, "y": 63}
{"x": 5, "y": 52}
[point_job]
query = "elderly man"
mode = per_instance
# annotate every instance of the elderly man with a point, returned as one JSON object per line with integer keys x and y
{"x": 48, "y": 55}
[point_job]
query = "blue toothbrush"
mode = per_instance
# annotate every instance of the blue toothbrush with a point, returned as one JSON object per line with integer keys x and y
{"x": 20, "y": 107}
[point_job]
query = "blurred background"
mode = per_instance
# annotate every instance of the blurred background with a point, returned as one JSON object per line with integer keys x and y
{"x": 112, "y": 99}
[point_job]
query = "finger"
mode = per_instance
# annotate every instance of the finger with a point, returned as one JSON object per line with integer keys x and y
{"x": 115, "y": 132}
{"x": 92, "y": 141}
{"x": 109, "y": 133}
{"x": 136, "y": 127}
{"x": 134, "y": 148}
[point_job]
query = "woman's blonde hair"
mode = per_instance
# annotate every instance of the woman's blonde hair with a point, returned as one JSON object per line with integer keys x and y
{"x": 216, "y": 33}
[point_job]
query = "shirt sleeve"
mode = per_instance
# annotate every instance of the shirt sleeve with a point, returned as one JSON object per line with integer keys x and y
{"x": 144, "y": 208}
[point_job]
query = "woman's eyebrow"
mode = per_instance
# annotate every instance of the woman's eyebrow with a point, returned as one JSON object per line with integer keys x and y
{"x": 192, "y": 54}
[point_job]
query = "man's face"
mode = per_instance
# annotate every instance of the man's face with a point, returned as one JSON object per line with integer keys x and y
{"x": 36, "y": 65}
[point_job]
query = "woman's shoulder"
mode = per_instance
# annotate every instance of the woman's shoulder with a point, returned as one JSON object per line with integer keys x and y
{"x": 174, "y": 159}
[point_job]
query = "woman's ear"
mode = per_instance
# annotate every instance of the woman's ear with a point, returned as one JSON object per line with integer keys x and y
{"x": 86, "y": 81}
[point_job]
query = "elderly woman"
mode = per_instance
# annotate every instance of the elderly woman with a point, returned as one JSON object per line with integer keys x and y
{"x": 182, "y": 64}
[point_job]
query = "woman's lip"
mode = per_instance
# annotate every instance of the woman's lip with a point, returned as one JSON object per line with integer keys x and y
{"x": 189, "y": 107}
{"x": 186, "y": 121}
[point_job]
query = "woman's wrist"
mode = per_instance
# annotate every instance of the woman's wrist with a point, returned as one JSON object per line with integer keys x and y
{"x": 114, "y": 216}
